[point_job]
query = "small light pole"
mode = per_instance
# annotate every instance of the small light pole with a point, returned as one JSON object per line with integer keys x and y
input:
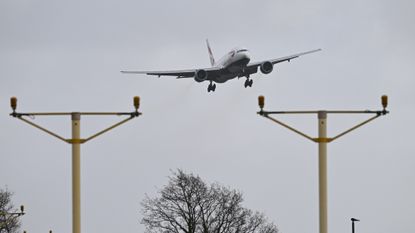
{"x": 9, "y": 216}
{"x": 14, "y": 214}
{"x": 322, "y": 141}
{"x": 354, "y": 220}
{"x": 76, "y": 142}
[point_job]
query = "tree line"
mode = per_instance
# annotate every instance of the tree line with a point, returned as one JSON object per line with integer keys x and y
{"x": 188, "y": 205}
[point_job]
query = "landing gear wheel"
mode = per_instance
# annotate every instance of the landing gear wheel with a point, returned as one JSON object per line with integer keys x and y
{"x": 211, "y": 87}
{"x": 248, "y": 83}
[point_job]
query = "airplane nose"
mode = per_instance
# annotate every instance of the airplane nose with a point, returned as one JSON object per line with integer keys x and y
{"x": 246, "y": 56}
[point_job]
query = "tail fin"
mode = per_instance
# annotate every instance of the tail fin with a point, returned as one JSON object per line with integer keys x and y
{"x": 212, "y": 59}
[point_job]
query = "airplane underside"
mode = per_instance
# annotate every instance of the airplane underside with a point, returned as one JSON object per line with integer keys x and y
{"x": 236, "y": 69}
{"x": 226, "y": 76}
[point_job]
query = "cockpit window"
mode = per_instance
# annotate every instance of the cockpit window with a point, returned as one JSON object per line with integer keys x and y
{"x": 242, "y": 50}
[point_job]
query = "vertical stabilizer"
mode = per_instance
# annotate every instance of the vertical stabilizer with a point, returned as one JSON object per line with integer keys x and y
{"x": 212, "y": 59}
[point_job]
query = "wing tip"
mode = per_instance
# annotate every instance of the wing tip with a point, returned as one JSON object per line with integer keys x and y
{"x": 312, "y": 51}
{"x": 133, "y": 72}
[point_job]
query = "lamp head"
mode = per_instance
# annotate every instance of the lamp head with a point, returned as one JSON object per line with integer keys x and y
{"x": 261, "y": 101}
{"x": 384, "y": 99}
{"x": 136, "y": 102}
{"x": 13, "y": 103}
{"x": 355, "y": 220}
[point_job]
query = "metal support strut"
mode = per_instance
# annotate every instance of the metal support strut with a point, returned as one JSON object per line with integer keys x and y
{"x": 322, "y": 141}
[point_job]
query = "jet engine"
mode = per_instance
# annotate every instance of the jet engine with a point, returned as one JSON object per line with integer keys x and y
{"x": 200, "y": 75}
{"x": 266, "y": 67}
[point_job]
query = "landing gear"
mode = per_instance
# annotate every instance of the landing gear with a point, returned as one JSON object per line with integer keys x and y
{"x": 248, "y": 83}
{"x": 211, "y": 87}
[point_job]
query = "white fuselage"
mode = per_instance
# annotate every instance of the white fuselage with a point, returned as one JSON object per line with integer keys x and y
{"x": 233, "y": 63}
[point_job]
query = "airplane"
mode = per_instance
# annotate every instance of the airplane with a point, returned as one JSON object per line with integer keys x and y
{"x": 234, "y": 64}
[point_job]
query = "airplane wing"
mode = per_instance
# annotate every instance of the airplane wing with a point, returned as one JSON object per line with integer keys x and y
{"x": 178, "y": 73}
{"x": 281, "y": 59}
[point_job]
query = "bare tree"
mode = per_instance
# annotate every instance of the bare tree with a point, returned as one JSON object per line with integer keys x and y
{"x": 9, "y": 221}
{"x": 188, "y": 205}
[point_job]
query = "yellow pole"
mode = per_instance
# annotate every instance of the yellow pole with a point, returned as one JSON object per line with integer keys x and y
{"x": 76, "y": 142}
{"x": 322, "y": 169}
{"x": 322, "y": 141}
{"x": 76, "y": 172}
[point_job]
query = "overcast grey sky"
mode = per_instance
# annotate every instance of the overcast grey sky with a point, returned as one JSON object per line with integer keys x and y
{"x": 66, "y": 56}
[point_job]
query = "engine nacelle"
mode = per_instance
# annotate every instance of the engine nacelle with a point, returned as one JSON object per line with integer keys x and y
{"x": 200, "y": 75}
{"x": 266, "y": 67}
